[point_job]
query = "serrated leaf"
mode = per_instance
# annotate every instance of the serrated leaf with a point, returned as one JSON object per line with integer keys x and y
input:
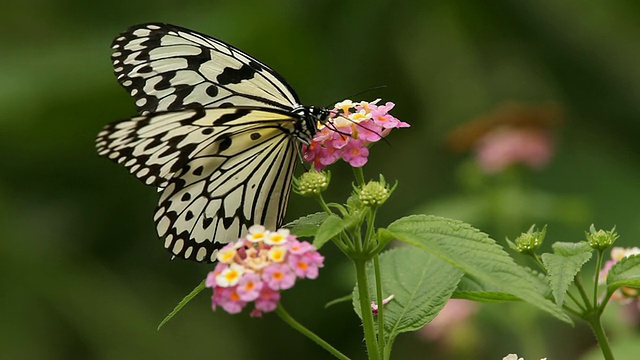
{"x": 625, "y": 272}
{"x": 421, "y": 284}
{"x": 571, "y": 248}
{"x": 479, "y": 256}
{"x": 563, "y": 266}
{"x": 331, "y": 227}
{"x": 307, "y": 226}
{"x": 182, "y": 303}
{"x": 484, "y": 296}
{"x": 470, "y": 289}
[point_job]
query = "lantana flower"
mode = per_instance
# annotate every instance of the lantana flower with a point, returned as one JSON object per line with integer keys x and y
{"x": 510, "y": 135}
{"x": 255, "y": 268}
{"x": 516, "y": 357}
{"x": 506, "y": 146}
{"x": 352, "y": 127}
{"x": 623, "y": 294}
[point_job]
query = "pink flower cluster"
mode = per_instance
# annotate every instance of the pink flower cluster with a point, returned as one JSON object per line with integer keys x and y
{"x": 352, "y": 127}
{"x": 503, "y": 147}
{"x": 256, "y": 267}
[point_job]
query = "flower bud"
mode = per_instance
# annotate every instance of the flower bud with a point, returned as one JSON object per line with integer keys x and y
{"x": 312, "y": 183}
{"x": 373, "y": 194}
{"x": 529, "y": 242}
{"x": 601, "y": 239}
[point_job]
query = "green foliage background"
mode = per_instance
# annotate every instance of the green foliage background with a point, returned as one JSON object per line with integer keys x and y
{"x": 82, "y": 273}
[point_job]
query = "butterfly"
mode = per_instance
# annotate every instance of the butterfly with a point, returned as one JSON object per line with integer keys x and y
{"x": 218, "y": 135}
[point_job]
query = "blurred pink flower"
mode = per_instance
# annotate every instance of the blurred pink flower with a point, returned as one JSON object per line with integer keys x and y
{"x": 249, "y": 287}
{"x": 511, "y": 134}
{"x": 305, "y": 265}
{"x": 504, "y": 147}
{"x": 279, "y": 276}
{"x": 268, "y": 300}
{"x": 455, "y": 313}
{"x": 228, "y": 299}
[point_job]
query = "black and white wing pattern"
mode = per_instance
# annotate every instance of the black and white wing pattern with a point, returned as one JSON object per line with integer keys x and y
{"x": 166, "y": 67}
{"x": 218, "y": 136}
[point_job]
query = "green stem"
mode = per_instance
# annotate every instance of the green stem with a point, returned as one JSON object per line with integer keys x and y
{"x": 323, "y": 204}
{"x": 536, "y": 258}
{"x": 573, "y": 311}
{"x": 583, "y": 293}
{"x": 605, "y": 300}
{"x": 357, "y": 241}
{"x": 379, "y": 299}
{"x": 365, "y": 310}
{"x": 359, "y": 174}
{"x": 596, "y": 326}
{"x": 596, "y": 278}
{"x": 371, "y": 228}
{"x": 284, "y": 315}
{"x": 575, "y": 301}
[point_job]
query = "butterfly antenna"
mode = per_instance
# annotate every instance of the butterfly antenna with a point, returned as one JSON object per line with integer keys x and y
{"x": 343, "y": 134}
{"x": 360, "y": 93}
{"x": 335, "y": 129}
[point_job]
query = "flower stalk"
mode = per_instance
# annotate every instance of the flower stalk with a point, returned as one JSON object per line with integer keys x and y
{"x": 284, "y": 315}
{"x": 596, "y": 325}
{"x": 365, "y": 309}
{"x": 380, "y": 300}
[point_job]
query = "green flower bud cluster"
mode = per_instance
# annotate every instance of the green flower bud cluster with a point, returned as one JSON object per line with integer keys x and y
{"x": 373, "y": 194}
{"x": 530, "y": 241}
{"x": 312, "y": 183}
{"x": 601, "y": 239}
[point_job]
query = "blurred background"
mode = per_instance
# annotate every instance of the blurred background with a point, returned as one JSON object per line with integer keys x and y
{"x": 83, "y": 275}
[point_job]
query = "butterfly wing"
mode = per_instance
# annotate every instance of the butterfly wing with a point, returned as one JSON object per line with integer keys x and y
{"x": 220, "y": 171}
{"x": 166, "y": 67}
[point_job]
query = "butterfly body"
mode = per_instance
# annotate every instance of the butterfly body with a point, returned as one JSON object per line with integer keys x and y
{"x": 218, "y": 135}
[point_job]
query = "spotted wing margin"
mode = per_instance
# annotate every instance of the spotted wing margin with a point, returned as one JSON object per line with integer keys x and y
{"x": 220, "y": 171}
{"x": 156, "y": 147}
{"x": 167, "y": 67}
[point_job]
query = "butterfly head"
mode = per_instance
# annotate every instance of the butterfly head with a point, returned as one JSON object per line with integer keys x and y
{"x": 309, "y": 117}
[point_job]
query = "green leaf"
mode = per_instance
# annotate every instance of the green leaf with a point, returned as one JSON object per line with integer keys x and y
{"x": 479, "y": 256}
{"x": 564, "y": 264}
{"x": 182, "y": 303}
{"x": 470, "y": 289}
{"x": 512, "y": 245}
{"x": 331, "y": 227}
{"x": 307, "y": 226}
{"x": 571, "y": 248}
{"x": 625, "y": 272}
{"x": 421, "y": 284}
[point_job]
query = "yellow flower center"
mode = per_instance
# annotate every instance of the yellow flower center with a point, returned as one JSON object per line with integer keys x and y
{"x": 231, "y": 275}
